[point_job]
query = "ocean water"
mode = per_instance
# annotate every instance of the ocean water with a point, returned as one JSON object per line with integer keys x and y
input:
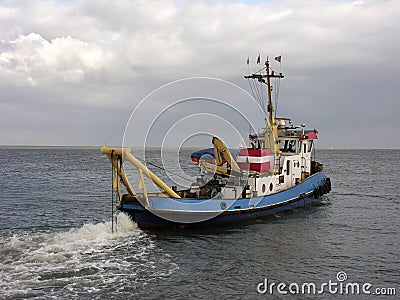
{"x": 56, "y": 240}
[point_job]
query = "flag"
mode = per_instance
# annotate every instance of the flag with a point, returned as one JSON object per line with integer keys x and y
{"x": 258, "y": 59}
{"x": 248, "y": 60}
{"x": 278, "y": 58}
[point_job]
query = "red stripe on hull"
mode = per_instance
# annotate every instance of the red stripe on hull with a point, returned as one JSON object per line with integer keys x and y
{"x": 262, "y": 167}
{"x": 254, "y": 152}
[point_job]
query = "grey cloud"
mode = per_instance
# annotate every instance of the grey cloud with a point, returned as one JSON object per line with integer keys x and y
{"x": 93, "y": 61}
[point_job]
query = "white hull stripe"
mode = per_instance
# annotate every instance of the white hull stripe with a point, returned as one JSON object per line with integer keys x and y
{"x": 253, "y": 159}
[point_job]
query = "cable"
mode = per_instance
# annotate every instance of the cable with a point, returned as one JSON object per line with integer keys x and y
{"x": 262, "y": 97}
{"x": 252, "y": 92}
{"x": 112, "y": 193}
{"x": 154, "y": 165}
{"x": 258, "y": 98}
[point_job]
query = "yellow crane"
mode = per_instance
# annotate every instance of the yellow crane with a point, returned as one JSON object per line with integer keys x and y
{"x": 221, "y": 151}
{"x": 119, "y": 154}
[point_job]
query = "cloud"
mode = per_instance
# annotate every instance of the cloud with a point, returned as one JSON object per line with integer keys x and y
{"x": 62, "y": 59}
{"x": 100, "y": 58}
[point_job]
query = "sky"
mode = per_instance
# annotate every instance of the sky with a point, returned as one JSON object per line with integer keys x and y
{"x": 171, "y": 72}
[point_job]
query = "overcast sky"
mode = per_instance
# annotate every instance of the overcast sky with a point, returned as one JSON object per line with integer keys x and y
{"x": 72, "y": 72}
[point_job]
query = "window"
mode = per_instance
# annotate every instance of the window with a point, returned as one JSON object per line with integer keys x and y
{"x": 310, "y": 145}
{"x": 288, "y": 167}
{"x": 292, "y": 146}
{"x": 288, "y": 146}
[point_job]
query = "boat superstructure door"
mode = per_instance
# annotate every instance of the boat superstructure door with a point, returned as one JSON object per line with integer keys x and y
{"x": 289, "y": 171}
{"x": 305, "y": 150}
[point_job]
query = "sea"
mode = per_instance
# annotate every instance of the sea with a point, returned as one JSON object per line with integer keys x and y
{"x": 56, "y": 240}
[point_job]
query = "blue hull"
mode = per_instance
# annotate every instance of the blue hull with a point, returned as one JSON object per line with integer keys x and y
{"x": 182, "y": 213}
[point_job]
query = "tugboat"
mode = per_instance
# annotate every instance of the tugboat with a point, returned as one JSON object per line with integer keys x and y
{"x": 276, "y": 173}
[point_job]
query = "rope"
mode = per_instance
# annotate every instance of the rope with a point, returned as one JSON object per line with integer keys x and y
{"x": 256, "y": 95}
{"x": 252, "y": 92}
{"x": 119, "y": 163}
{"x": 167, "y": 171}
{"x": 112, "y": 193}
{"x": 278, "y": 85}
{"x": 262, "y": 97}
{"x": 276, "y": 95}
{"x": 256, "y": 91}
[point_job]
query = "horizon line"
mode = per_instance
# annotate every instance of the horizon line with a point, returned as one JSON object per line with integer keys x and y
{"x": 159, "y": 147}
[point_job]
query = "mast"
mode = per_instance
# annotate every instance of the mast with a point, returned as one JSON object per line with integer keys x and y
{"x": 271, "y": 116}
{"x": 271, "y": 123}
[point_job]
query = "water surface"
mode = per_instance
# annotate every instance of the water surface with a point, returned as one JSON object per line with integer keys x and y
{"x": 56, "y": 239}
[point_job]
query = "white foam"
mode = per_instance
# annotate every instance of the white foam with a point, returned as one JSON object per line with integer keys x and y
{"x": 96, "y": 233}
{"x": 57, "y": 247}
{"x": 90, "y": 254}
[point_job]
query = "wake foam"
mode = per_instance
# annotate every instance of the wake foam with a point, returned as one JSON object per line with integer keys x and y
{"x": 75, "y": 261}
{"x": 90, "y": 234}
{"x": 58, "y": 246}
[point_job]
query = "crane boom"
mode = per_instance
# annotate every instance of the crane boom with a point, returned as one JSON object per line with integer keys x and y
{"x": 221, "y": 151}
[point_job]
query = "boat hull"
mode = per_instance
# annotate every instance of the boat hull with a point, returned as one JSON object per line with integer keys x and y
{"x": 182, "y": 213}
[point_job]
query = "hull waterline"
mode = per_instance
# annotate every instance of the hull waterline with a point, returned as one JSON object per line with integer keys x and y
{"x": 267, "y": 205}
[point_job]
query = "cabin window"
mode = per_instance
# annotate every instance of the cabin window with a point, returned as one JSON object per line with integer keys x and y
{"x": 310, "y": 145}
{"x": 288, "y": 167}
{"x": 305, "y": 147}
{"x": 288, "y": 146}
